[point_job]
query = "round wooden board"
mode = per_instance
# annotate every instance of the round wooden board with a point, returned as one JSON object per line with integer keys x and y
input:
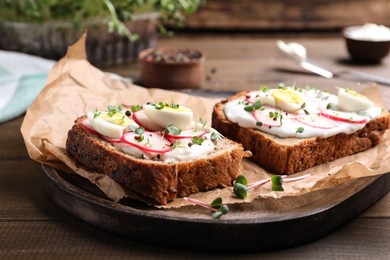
{"x": 262, "y": 225}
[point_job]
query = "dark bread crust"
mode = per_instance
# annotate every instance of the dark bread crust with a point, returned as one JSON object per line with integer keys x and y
{"x": 156, "y": 181}
{"x": 291, "y": 155}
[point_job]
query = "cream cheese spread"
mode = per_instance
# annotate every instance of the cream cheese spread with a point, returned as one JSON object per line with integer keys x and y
{"x": 311, "y": 112}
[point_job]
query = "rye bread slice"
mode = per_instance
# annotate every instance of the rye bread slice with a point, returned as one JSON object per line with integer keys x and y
{"x": 291, "y": 155}
{"x": 156, "y": 182}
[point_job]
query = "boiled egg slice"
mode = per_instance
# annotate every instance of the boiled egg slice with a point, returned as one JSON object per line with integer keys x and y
{"x": 179, "y": 116}
{"x": 288, "y": 99}
{"x": 351, "y": 101}
{"x": 112, "y": 126}
{"x": 266, "y": 97}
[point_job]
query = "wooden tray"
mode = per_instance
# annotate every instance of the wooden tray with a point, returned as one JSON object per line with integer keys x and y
{"x": 248, "y": 227}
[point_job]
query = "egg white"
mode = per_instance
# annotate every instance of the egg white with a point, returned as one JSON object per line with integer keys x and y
{"x": 107, "y": 128}
{"x": 181, "y": 118}
{"x": 350, "y": 102}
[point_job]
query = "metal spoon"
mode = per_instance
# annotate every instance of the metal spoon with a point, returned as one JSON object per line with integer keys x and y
{"x": 297, "y": 53}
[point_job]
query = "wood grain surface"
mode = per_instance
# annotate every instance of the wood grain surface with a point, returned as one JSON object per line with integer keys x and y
{"x": 288, "y": 15}
{"x": 33, "y": 226}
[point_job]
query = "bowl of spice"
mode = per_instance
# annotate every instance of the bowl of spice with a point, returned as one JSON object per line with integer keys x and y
{"x": 171, "y": 68}
{"x": 368, "y": 43}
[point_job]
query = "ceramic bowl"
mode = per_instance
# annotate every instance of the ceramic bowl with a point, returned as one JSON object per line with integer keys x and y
{"x": 365, "y": 51}
{"x": 171, "y": 68}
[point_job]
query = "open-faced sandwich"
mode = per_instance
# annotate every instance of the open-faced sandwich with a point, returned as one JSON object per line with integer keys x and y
{"x": 156, "y": 150}
{"x": 290, "y": 129}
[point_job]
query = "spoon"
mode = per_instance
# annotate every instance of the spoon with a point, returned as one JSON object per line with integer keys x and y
{"x": 297, "y": 53}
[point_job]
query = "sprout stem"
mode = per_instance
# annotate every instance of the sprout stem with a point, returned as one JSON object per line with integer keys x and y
{"x": 200, "y": 203}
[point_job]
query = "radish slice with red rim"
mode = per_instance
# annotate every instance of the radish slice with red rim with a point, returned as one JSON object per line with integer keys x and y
{"x": 152, "y": 142}
{"x": 143, "y": 120}
{"x": 316, "y": 121}
{"x": 346, "y": 117}
{"x": 263, "y": 116}
{"x": 87, "y": 126}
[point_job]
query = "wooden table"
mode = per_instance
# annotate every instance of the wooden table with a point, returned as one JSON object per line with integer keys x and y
{"x": 31, "y": 225}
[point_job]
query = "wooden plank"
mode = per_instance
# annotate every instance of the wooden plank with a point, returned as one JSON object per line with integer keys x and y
{"x": 288, "y": 15}
{"x": 23, "y": 195}
{"x": 11, "y": 140}
{"x": 360, "y": 239}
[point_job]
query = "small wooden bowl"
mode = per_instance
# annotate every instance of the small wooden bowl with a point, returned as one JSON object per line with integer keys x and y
{"x": 171, "y": 68}
{"x": 365, "y": 51}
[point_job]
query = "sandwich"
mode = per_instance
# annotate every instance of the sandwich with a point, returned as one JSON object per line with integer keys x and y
{"x": 156, "y": 150}
{"x": 289, "y": 129}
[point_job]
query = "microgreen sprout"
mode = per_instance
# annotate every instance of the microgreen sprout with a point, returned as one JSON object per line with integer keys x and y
{"x": 197, "y": 140}
{"x": 275, "y": 115}
{"x": 304, "y": 110}
{"x": 135, "y": 108}
{"x": 148, "y": 144}
{"x": 264, "y": 89}
{"x": 331, "y": 106}
{"x": 281, "y": 85}
{"x": 300, "y": 130}
{"x": 215, "y": 206}
{"x": 203, "y": 122}
{"x": 159, "y": 106}
{"x": 139, "y": 131}
{"x": 258, "y": 123}
{"x": 171, "y": 129}
{"x": 257, "y": 105}
{"x": 96, "y": 113}
{"x": 215, "y": 136}
{"x": 277, "y": 182}
{"x": 241, "y": 187}
{"x": 112, "y": 110}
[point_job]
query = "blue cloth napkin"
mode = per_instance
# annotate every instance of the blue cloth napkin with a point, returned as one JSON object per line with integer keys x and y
{"x": 22, "y": 77}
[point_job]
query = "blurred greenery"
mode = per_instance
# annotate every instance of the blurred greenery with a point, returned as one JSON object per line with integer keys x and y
{"x": 172, "y": 12}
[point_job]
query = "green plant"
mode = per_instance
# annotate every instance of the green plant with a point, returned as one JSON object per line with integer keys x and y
{"x": 172, "y": 12}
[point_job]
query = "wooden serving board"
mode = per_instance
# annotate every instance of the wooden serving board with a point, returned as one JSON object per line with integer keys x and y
{"x": 247, "y": 227}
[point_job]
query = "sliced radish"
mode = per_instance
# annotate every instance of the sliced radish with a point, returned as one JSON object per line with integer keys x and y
{"x": 344, "y": 116}
{"x": 189, "y": 133}
{"x": 263, "y": 116}
{"x": 316, "y": 121}
{"x": 152, "y": 143}
{"x": 87, "y": 126}
{"x": 143, "y": 120}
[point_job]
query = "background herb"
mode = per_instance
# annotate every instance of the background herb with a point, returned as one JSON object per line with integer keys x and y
{"x": 172, "y": 12}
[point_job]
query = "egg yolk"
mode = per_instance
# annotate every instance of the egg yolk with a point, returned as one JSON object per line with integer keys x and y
{"x": 354, "y": 93}
{"x": 287, "y": 95}
{"x": 178, "y": 109}
{"x": 117, "y": 118}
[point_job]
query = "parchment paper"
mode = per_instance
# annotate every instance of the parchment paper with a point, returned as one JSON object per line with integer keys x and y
{"x": 75, "y": 87}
